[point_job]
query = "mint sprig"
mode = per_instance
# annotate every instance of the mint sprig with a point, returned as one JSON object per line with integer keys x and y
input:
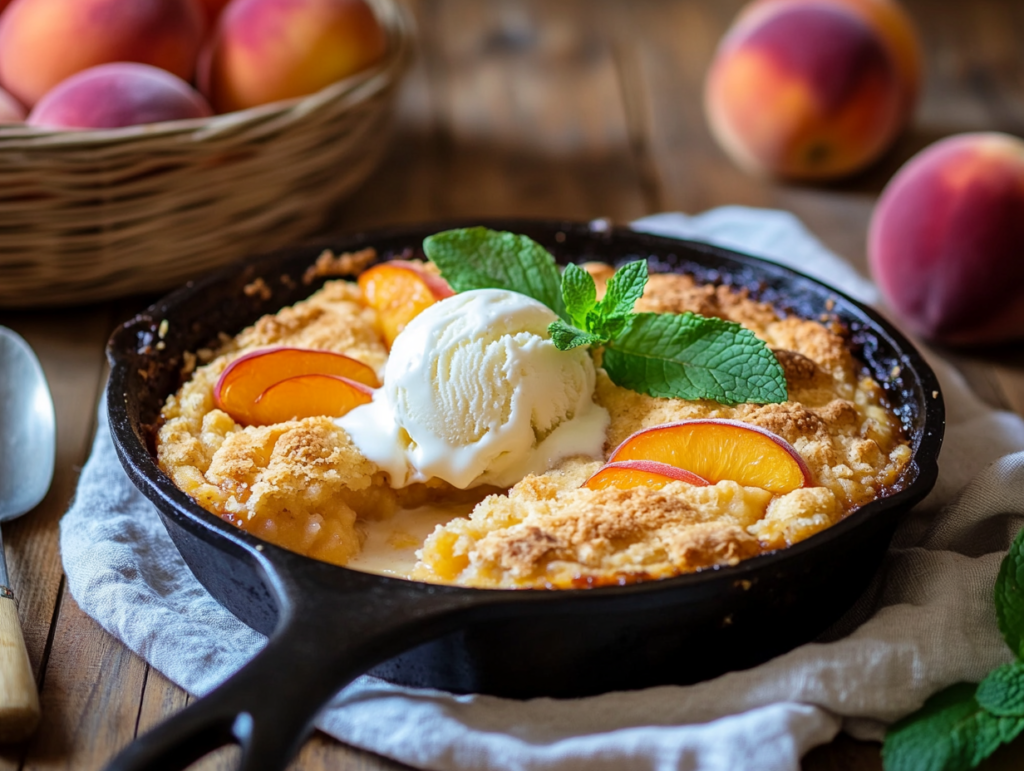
{"x": 681, "y": 356}
{"x": 593, "y": 322}
{"x": 962, "y": 725}
{"x": 480, "y": 258}
{"x": 1002, "y": 690}
{"x": 608, "y": 318}
{"x": 1010, "y": 598}
{"x": 951, "y": 732}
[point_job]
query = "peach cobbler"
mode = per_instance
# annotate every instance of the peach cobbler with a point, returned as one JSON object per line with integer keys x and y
{"x": 433, "y": 424}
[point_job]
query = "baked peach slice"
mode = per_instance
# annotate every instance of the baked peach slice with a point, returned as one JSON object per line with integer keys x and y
{"x": 248, "y": 377}
{"x": 306, "y": 396}
{"x": 625, "y": 475}
{"x": 716, "y": 450}
{"x": 399, "y": 290}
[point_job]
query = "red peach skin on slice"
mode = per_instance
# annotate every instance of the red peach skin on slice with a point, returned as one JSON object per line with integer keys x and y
{"x": 628, "y": 474}
{"x": 721, "y": 449}
{"x": 249, "y": 376}
{"x": 399, "y": 291}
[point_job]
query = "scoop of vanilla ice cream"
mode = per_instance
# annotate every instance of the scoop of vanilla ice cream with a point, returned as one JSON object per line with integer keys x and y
{"x": 476, "y": 393}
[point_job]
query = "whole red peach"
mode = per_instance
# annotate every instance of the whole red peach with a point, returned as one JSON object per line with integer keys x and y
{"x": 212, "y": 10}
{"x": 118, "y": 94}
{"x": 947, "y": 238}
{"x": 805, "y": 90}
{"x": 893, "y": 25}
{"x": 42, "y": 42}
{"x": 268, "y": 50}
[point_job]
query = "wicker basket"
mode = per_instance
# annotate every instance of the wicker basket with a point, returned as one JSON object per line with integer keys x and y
{"x": 90, "y": 215}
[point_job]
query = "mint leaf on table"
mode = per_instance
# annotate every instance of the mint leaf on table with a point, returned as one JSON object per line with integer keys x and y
{"x": 930, "y": 739}
{"x": 959, "y": 727}
{"x": 480, "y": 258}
{"x": 1002, "y": 691}
{"x": 951, "y": 732}
{"x": 687, "y": 356}
{"x": 1009, "y": 595}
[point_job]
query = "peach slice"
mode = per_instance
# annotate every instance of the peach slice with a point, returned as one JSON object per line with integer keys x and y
{"x": 399, "y": 291}
{"x": 625, "y": 475}
{"x": 249, "y": 376}
{"x": 721, "y": 449}
{"x": 306, "y": 396}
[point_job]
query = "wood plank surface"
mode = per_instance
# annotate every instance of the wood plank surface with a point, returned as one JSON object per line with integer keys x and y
{"x": 69, "y": 345}
{"x": 569, "y": 109}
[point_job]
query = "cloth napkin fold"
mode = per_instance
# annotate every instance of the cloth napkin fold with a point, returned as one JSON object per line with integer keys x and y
{"x": 927, "y": 620}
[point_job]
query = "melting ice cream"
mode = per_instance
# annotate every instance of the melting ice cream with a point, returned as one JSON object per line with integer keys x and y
{"x": 476, "y": 393}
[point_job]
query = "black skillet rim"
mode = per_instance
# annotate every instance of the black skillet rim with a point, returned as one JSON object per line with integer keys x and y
{"x": 145, "y": 473}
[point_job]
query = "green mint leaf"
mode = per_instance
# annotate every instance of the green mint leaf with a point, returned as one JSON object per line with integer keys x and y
{"x": 608, "y": 327}
{"x": 624, "y": 288}
{"x": 951, "y": 732}
{"x": 612, "y": 315}
{"x": 930, "y": 739}
{"x": 1002, "y": 692}
{"x": 566, "y": 337}
{"x": 1010, "y": 597}
{"x": 988, "y": 734}
{"x": 579, "y": 294}
{"x": 479, "y": 258}
{"x": 687, "y": 356}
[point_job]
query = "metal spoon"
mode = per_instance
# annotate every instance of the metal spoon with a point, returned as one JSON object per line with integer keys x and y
{"x": 27, "y": 450}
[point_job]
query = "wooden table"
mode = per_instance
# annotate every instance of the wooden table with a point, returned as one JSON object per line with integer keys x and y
{"x": 567, "y": 108}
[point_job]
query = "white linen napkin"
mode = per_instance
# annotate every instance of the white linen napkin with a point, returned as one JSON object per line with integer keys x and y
{"x": 927, "y": 621}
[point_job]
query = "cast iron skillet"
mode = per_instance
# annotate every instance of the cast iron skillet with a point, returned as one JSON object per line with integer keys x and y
{"x": 328, "y": 625}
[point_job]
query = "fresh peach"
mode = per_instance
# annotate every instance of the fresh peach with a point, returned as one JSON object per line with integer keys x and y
{"x": 212, "y": 9}
{"x": 716, "y": 450}
{"x": 806, "y": 90}
{"x": 43, "y": 42}
{"x": 11, "y": 110}
{"x": 119, "y": 94}
{"x": 946, "y": 240}
{"x": 248, "y": 377}
{"x": 888, "y": 18}
{"x": 267, "y": 50}
{"x": 399, "y": 291}
{"x": 625, "y": 475}
{"x": 307, "y": 396}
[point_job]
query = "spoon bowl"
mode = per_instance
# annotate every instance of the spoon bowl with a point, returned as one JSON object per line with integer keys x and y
{"x": 28, "y": 446}
{"x": 27, "y": 428}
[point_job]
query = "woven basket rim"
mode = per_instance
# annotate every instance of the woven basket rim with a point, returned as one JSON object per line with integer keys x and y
{"x": 398, "y": 25}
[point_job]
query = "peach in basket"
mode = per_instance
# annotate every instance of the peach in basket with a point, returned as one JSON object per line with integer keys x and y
{"x": 113, "y": 211}
{"x": 268, "y": 50}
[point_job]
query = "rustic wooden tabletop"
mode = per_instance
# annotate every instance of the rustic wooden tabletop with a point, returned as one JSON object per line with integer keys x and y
{"x": 574, "y": 109}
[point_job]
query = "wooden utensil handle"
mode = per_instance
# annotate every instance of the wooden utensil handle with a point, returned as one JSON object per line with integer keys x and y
{"x": 19, "y": 699}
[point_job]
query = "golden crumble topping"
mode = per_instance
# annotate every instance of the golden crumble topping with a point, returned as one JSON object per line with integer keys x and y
{"x": 305, "y": 486}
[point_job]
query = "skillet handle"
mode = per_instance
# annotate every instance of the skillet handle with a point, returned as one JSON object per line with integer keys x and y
{"x": 268, "y": 707}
